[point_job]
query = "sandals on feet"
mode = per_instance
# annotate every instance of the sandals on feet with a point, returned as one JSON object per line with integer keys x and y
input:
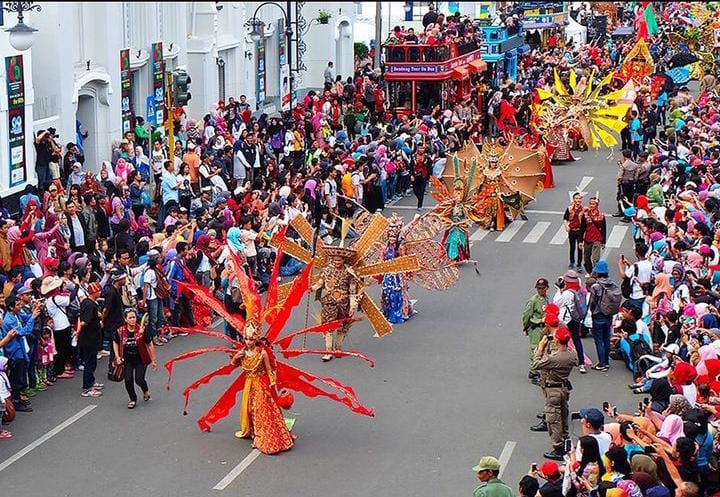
{"x": 132, "y": 404}
{"x": 146, "y": 396}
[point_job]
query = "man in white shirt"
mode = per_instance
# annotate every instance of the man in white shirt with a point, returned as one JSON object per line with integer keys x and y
{"x": 640, "y": 274}
{"x": 330, "y": 189}
{"x": 592, "y": 422}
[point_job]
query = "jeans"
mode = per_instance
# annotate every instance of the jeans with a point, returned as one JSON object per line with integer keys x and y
{"x": 574, "y": 327}
{"x": 392, "y": 183}
{"x": 182, "y": 309}
{"x": 384, "y": 190}
{"x": 156, "y": 319}
{"x": 602, "y": 329}
{"x": 32, "y": 365}
{"x": 134, "y": 371}
{"x": 89, "y": 359}
{"x": 43, "y": 176}
{"x": 18, "y": 377}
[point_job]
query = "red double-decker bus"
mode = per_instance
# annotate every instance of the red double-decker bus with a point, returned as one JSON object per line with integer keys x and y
{"x": 422, "y": 76}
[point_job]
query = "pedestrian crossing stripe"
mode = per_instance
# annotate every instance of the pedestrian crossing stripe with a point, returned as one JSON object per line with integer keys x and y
{"x": 510, "y": 231}
{"x": 538, "y": 233}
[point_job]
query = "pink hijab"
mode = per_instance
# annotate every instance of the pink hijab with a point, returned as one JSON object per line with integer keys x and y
{"x": 706, "y": 352}
{"x": 122, "y": 170}
{"x": 671, "y": 429}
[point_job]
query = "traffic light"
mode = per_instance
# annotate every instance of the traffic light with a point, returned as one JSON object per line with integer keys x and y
{"x": 181, "y": 88}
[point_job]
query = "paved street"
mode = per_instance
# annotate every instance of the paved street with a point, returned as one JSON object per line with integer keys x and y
{"x": 448, "y": 387}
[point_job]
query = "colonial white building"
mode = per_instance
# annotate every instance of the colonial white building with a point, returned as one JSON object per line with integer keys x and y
{"x": 72, "y": 72}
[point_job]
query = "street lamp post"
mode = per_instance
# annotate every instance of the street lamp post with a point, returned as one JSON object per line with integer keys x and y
{"x": 256, "y": 35}
{"x": 21, "y": 35}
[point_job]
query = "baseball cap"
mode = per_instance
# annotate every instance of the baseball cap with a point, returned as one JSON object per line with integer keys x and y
{"x": 542, "y": 283}
{"x": 487, "y": 463}
{"x": 593, "y": 416}
{"x": 23, "y": 290}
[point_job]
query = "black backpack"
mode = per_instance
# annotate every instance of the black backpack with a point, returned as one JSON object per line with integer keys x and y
{"x": 626, "y": 283}
{"x": 639, "y": 348}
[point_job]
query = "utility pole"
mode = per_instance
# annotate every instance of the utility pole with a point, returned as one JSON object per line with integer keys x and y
{"x": 378, "y": 33}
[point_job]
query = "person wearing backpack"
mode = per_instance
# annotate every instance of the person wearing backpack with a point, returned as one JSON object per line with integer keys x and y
{"x": 570, "y": 298}
{"x": 605, "y": 299}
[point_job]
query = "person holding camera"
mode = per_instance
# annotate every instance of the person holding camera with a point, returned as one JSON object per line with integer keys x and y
{"x": 557, "y": 366}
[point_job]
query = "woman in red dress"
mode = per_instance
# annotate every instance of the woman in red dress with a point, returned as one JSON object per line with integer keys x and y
{"x": 260, "y": 416}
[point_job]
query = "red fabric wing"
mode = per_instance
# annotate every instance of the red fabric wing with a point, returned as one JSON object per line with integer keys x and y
{"x": 301, "y": 381}
{"x": 298, "y": 289}
{"x": 223, "y": 406}
{"x": 284, "y": 342}
{"x": 197, "y": 292}
{"x": 223, "y": 370}
{"x": 189, "y": 355}
{"x": 200, "y": 331}
{"x": 272, "y": 291}
{"x": 290, "y": 353}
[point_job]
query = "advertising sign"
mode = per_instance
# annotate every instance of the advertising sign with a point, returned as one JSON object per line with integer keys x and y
{"x": 15, "y": 77}
{"x": 158, "y": 81}
{"x": 126, "y": 105}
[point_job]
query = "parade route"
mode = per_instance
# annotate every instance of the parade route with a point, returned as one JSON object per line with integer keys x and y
{"x": 450, "y": 385}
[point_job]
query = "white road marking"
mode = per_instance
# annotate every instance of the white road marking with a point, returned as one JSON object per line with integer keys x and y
{"x": 505, "y": 456}
{"x": 479, "y": 234}
{"x": 510, "y": 231}
{"x": 606, "y": 253}
{"x": 235, "y": 472}
{"x": 616, "y": 236}
{"x": 37, "y": 443}
{"x": 554, "y": 213}
{"x": 560, "y": 236}
{"x": 537, "y": 232}
{"x": 584, "y": 182}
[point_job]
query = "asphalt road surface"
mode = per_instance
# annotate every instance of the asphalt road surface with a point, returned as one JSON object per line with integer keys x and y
{"x": 449, "y": 386}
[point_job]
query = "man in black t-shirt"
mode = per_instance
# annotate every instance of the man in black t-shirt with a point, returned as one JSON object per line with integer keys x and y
{"x": 112, "y": 317}
{"x": 89, "y": 336}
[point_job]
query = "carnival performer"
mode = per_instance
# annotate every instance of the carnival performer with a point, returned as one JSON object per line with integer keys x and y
{"x": 457, "y": 236}
{"x": 262, "y": 375}
{"x": 260, "y": 415}
{"x": 396, "y": 304}
{"x": 340, "y": 293}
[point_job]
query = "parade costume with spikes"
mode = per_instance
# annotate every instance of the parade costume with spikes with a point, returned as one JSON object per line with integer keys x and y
{"x": 437, "y": 272}
{"x": 260, "y": 380}
{"x": 342, "y": 274}
{"x": 583, "y": 111}
{"x": 481, "y": 185}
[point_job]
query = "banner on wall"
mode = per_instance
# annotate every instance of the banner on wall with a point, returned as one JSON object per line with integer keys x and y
{"x": 158, "y": 81}
{"x": 150, "y": 110}
{"x": 260, "y": 91}
{"x": 283, "y": 67}
{"x": 15, "y": 79}
{"x": 126, "y": 107}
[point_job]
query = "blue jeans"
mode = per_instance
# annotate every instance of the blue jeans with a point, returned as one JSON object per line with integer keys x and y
{"x": 392, "y": 182}
{"x": 32, "y": 365}
{"x": 602, "y": 329}
{"x": 156, "y": 318}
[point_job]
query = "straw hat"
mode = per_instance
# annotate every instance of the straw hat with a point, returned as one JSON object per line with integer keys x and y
{"x": 50, "y": 283}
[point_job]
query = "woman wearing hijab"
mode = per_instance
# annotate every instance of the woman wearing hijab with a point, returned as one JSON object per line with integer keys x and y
{"x": 681, "y": 292}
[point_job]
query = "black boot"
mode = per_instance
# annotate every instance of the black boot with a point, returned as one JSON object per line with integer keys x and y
{"x": 541, "y": 426}
{"x": 555, "y": 455}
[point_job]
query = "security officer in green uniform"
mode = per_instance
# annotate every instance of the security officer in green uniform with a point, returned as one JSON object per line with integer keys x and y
{"x": 488, "y": 470}
{"x": 533, "y": 326}
{"x": 556, "y": 366}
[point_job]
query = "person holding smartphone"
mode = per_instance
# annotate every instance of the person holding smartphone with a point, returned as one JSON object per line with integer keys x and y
{"x": 557, "y": 366}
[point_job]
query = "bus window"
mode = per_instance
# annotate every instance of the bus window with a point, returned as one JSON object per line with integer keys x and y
{"x": 427, "y": 95}
{"x": 400, "y": 94}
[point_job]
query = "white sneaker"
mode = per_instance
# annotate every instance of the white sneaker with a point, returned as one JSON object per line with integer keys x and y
{"x": 327, "y": 357}
{"x": 91, "y": 393}
{"x": 98, "y": 386}
{"x": 103, "y": 353}
{"x": 582, "y": 369}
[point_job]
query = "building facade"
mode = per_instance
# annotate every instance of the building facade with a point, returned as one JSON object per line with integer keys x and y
{"x": 73, "y": 70}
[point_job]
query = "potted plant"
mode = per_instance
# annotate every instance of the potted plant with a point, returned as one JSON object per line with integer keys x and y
{"x": 323, "y": 16}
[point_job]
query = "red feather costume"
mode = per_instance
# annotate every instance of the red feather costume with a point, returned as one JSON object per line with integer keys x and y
{"x": 264, "y": 390}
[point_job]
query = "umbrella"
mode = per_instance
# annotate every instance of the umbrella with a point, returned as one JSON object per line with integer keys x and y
{"x": 682, "y": 59}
